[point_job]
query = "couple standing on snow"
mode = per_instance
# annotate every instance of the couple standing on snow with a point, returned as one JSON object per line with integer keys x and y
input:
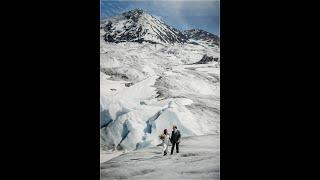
{"x": 174, "y": 139}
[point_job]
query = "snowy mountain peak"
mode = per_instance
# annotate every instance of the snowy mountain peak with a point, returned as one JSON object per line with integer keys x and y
{"x": 199, "y": 34}
{"x": 139, "y": 26}
{"x": 134, "y": 12}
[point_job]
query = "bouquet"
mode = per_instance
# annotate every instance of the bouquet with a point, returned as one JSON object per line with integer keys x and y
{"x": 162, "y": 136}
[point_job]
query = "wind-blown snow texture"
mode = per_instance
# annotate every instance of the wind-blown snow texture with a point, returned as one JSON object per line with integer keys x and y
{"x": 149, "y": 81}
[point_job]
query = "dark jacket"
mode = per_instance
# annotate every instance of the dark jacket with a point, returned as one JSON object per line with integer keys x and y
{"x": 175, "y": 136}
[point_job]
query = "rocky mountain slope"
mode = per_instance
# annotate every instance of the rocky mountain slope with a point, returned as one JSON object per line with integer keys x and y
{"x": 139, "y": 26}
{"x": 198, "y": 34}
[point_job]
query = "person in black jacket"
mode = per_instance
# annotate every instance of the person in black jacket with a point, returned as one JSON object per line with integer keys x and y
{"x": 175, "y": 139}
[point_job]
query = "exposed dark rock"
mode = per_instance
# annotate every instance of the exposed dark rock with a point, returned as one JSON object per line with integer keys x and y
{"x": 206, "y": 59}
{"x": 128, "y": 84}
{"x": 114, "y": 74}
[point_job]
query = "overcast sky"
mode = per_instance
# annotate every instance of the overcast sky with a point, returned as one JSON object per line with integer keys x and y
{"x": 181, "y": 14}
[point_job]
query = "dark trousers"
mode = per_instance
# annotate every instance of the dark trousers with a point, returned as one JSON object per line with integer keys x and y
{"x": 175, "y": 144}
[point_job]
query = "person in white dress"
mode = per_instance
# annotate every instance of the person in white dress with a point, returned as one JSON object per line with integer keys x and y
{"x": 165, "y": 142}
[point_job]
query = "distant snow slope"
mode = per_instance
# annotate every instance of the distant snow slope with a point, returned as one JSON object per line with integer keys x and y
{"x": 138, "y": 81}
{"x": 199, "y": 158}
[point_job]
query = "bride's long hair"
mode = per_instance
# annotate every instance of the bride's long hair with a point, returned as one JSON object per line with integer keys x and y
{"x": 165, "y": 131}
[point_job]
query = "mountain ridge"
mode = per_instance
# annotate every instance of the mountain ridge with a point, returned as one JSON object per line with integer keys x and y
{"x": 199, "y": 34}
{"x": 138, "y": 25}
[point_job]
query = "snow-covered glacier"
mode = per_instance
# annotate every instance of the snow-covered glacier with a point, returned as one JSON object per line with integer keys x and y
{"x": 146, "y": 87}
